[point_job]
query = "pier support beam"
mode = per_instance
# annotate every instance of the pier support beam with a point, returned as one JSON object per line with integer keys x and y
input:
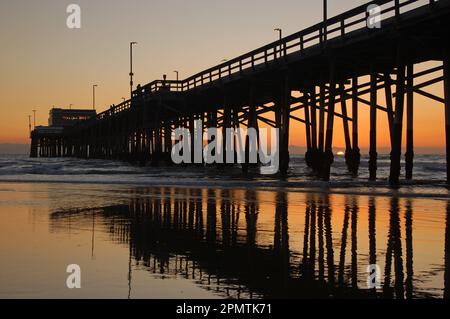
{"x": 397, "y": 127}
{"x": 409, "y": 155}
{"x": 373, "y": 128}
{"x": 315, "y": 158}
{"x": 328, "y": 157}
{"x": 355, "y": 156}
{"x": 348, "y": 143}
{"x": 307, "y": 107}
{"x": 283, "y": 125}
{"x": 321, "y": 141}
{"x": 447, "y": 109}
{"x": 34, "y": 147}
{"x": 226, "y": 123}
{"x": 252, "y": 123}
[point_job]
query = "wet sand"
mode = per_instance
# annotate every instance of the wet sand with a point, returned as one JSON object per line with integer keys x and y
{"x": 168, "y": 242}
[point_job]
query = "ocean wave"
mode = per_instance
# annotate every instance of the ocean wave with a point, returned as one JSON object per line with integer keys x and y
{"x": 429, "y": 176}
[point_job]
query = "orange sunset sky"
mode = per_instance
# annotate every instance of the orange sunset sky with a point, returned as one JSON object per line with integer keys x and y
{"x": 45, "y": 64}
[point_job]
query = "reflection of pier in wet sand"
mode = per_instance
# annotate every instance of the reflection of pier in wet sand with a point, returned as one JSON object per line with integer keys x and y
{"x": 241, "y": 244}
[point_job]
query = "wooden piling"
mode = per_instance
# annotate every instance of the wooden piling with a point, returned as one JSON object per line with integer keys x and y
{"x": 356, "y": 156}
{"x": 306, "y": 108}
{"x": 328, "y": 153}
{"x": 398, "y": 125}
{"x": 373, "y": 128}
{"x": 409, "y": 155}
{"x": 321, "y": 142}
{"x": 284, "y": 117}
{"x": 446, "y": 65}
{"x": 251, "y": 124}
{"x": 348, "y": 144}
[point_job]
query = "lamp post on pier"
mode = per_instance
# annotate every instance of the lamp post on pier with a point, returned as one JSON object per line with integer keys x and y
{"x": 34, "y": 119}
{"x": 280, "y": 36}
{"x": 131, "y": 68}
{"x": 93, "y": 95}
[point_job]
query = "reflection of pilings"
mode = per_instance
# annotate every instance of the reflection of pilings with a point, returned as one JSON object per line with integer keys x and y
{"x": 312, "y": 247}
{"x": 159, "y": 240}
{"x": 235, "y": 213}
{"x": 343, "y": 245}
{"x": 309, "y": 242}
{"x": 251, "y": 217}
{"x": 409, "y": 250}
{"x": 354, "y": 210}
{"x": 395, "y": 249}
{"x": 281, "y": 235}
{"x": 372, "y": 233}
{"x": 198, "y": 213}
{"x": 304, "y": 265}
{"x": 398, "y": 261}
{"x": 225, "y": 212}
{"x": 447, "y": 255}
{"x": 320, "y": 240}
{"x": 329, "y": 240}
{"x": 211, "y": 219}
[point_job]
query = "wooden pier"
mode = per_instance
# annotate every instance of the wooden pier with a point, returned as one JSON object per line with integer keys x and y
{"x": 337, "y": 67}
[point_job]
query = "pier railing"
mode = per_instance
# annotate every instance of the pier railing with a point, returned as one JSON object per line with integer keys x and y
{"x": 280, "y": 50}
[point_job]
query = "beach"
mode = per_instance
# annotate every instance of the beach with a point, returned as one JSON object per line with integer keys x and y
{"x": 145, "y": 232}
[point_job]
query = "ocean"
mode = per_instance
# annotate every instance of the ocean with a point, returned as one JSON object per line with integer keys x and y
{"x": 191, "y": 232}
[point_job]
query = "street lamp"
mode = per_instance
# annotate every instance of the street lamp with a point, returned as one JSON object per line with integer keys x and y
{"x": 131, "y": 68}
{"x": 93, "y": 96}
{"x": 176, "y": 74}
{"x": 34, "y": 118}
{"x": 280, "y": 32}
{"x": 70, "y": 106}
{"x": 280, "y": 35}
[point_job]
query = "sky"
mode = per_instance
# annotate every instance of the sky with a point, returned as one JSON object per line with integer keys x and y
{"x": 43, "y": 63}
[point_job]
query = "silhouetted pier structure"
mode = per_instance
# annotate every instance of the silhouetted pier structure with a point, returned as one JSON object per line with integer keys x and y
{"x": 337, "y": 67}
{"x": 54, "y": 140}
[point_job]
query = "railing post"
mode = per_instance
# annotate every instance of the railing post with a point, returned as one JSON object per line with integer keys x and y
{"x": 397, "y": 8}
{"x": 321, "y": 37}
{"x": 301, "y": 44}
